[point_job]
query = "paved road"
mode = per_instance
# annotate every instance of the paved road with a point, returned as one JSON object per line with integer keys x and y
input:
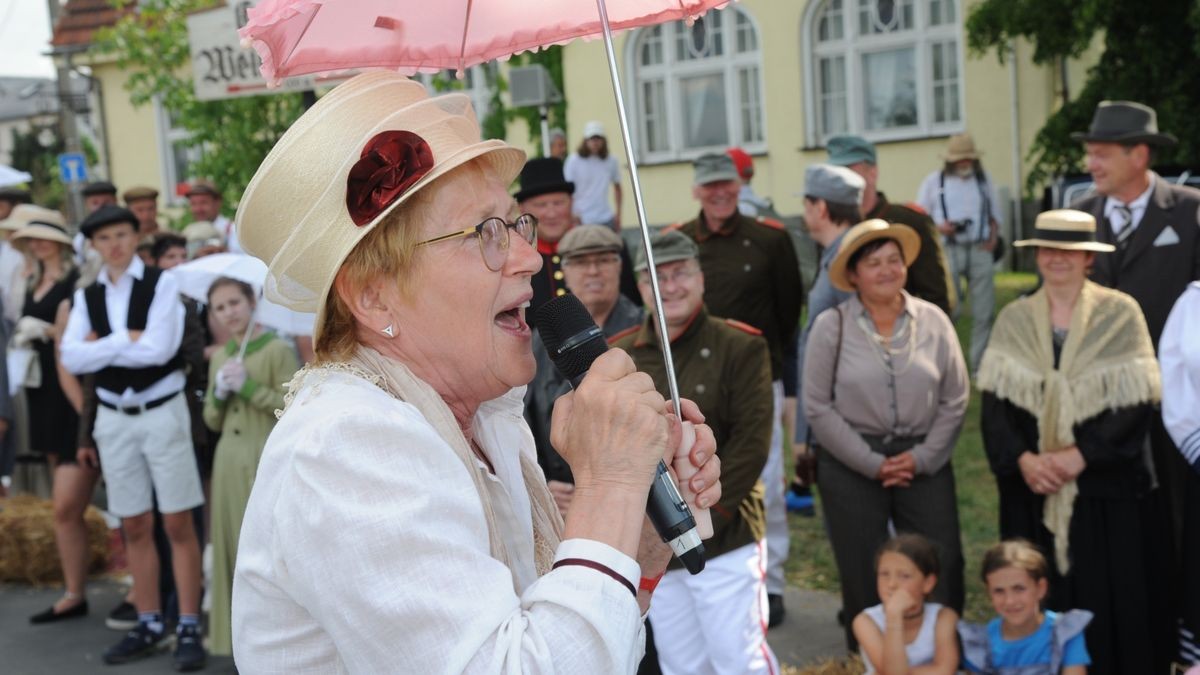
{"x": 809, "y": 633}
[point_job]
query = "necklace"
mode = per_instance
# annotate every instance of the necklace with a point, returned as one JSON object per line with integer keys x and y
{"x": 885, "y": 354}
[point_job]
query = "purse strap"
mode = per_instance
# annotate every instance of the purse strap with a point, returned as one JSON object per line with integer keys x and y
{"x": 837, "y": 357}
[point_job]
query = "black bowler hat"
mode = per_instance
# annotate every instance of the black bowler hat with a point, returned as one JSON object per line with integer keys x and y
{"x": 1124, "y": 122}
{"x": 107, "y": 215}
{"x": 100, "y": 187}
{"x": 543, "y": 176}
{"x": 15, "y": 195}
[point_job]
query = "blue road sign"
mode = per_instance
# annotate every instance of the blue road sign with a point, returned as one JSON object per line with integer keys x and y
{"x": 72, "y": 167}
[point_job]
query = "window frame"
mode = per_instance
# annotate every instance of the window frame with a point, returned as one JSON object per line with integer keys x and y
{"x": 168, "y": 136}
{"x": 853, "y": 47}
{"x": 672, "y": 72}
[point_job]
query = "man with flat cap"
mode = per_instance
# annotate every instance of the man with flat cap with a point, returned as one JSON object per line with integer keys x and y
{"x": 752, "y": 275}
{"x": 547, "y": 195}
{"x": 127, "y": 328}
{"x": 204, "y": 202}
{"x": 98, "y": 193}
{"x": 143, "y": 201}
{"x": 712, "y": 622}
{"x": 1155, "y": 226}
{"x": 832, "y": 195}
{"x": 929, "y": 275}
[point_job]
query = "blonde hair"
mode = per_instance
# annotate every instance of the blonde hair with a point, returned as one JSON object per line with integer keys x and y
{"x": 1017, "y": 553}
{"x": 65, "y": 253}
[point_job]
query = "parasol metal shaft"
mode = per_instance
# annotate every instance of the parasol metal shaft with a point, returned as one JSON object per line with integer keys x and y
{"x": 652, "y": 269}
{"x": 249, "y": 329}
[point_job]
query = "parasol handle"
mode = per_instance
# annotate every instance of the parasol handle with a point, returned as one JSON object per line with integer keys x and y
{"x": 249, "y": 330}
{"x": 661, "y": 322}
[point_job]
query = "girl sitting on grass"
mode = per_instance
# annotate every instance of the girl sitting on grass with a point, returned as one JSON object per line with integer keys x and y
{"x": 905, "y": 634}
{"x": 1024, "y": 639}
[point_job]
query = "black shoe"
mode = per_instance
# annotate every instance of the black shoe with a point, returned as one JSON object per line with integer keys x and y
{"x": 123, "y": 617}
{"x": 189, "y": 650}
{"x": 139, "y": 642}
{"x": 50, "y": 616}
{"x": 775, "y": 609}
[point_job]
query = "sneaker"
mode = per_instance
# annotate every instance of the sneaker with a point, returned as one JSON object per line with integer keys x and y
{"x": 123, "y": 617}
{"x": 138, "y": 642}
{"x": 189, "y": 649}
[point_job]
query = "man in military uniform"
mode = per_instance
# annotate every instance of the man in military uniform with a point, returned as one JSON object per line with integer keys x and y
{"x": 929, "y": 275}
{"x": 591, "y": 266}
{"x": 753, "y": 276}
{"x": 546, "y": 194}
{"x": 712, "y": 622}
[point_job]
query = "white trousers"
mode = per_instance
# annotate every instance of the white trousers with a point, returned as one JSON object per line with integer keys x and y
{"x": 774, "y": 500}
{"x": 715, "y": 622}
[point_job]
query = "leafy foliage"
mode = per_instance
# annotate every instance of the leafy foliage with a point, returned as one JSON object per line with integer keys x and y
{"x": 1151, "y": 48}
{"x": 151, "y": 45}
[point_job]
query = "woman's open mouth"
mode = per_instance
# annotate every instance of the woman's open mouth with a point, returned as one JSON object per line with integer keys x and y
{"x": 513, "y": 320}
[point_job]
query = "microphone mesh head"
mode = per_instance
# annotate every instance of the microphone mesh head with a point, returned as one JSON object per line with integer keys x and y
{"x": 560, "y": 319}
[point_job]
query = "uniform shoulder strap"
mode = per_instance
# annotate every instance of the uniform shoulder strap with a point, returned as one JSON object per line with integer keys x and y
{"x": 770, "y": 222}
{"x": 743, "y": 326}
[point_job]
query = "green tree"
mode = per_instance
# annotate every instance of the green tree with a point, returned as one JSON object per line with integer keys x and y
{"x": 1151, "y": 48}
{"x": 234, "y": 135}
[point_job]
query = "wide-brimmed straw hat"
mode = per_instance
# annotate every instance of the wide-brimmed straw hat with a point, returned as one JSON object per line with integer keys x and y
{"x": 24, "y": 214}
{"x": 1066, "y": 229}
{"x": 960, "y": 147}
{"x": 359, "y": 153}
{"x": 40, "y": 223}
{"x": 864, "y": 233}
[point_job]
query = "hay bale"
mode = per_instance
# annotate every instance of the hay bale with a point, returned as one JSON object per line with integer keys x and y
{"x": 28, "y": 552}
{"x": 847, "y": 665}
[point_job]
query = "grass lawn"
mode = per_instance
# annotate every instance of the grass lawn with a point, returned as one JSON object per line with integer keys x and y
{"x": 810, "y": 563}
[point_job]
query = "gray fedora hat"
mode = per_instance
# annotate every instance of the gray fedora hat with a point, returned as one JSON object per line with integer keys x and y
{"x": 1125, "y": 122}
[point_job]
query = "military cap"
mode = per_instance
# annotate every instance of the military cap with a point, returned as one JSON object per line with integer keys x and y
{"x": 100, "y": 187}
{"x": 140, "y": 192}
{"x": 835, "y": 184}
{"x": 713, "y": 167}
{"x": 586, "y": 239}
{"x": 107, "y": 215}
{"x": 669, "y": 246}
{"x": 845, "y": 150}
{"x": 203, "y": 187}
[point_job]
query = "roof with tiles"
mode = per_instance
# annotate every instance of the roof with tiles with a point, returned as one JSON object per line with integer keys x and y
{"x": 78, "y": 20}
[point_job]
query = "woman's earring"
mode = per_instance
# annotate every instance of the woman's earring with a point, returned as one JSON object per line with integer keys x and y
{"x": 389, "y": 331}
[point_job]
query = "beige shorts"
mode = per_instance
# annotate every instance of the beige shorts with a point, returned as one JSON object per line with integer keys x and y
{"x": 148, "y": 455}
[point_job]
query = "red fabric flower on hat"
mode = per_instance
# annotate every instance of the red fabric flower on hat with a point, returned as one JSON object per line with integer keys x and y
{"x": 391, "y": 162}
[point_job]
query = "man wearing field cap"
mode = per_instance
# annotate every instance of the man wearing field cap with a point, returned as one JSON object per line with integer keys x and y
{"x": 928, "y": 277}
{"x": 1155, "y": 226}
{"x": 752, "y": 275}
{"x": 204, "y": 201}
{"x": 98, "y": 193}
{"x": 592, "y": 267}
{"x": 143, "y": 201}
{"x": 712, "y": 622}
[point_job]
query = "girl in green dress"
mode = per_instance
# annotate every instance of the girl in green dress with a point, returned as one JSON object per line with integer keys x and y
{"x": 243, "y": 395}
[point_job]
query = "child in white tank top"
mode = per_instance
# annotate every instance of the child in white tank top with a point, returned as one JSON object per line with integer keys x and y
{"x": 904, "y": 631}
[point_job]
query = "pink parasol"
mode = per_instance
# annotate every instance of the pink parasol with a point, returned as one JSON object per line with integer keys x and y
{"x": 301, "y": 37}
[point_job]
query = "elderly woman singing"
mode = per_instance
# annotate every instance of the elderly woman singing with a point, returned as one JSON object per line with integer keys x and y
{"x": 399, "y": 521}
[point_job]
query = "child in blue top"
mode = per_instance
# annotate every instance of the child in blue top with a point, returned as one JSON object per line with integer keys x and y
{"x": 905, "y": 634}
{"x": 1023, "y": 640}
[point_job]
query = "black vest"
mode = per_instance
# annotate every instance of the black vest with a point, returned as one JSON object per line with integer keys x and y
{"x": 114, "y": 378}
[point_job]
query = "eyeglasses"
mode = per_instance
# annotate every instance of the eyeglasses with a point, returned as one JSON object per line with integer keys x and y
{"x": 679, "y": 276}
{"x": 588, "y": 262}
{"x": 494, "y": 238}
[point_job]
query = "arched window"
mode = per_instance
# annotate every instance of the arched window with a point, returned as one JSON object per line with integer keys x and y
{"x": 698, "y": 88}
{"x": 885, "y": 69}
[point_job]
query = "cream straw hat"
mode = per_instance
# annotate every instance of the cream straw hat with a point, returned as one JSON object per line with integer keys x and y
{"x": 35, "y": 222}
{"x": 1066, "y": 229}
{"x": 864, "y": 233}
{"x": 351, "y": 159}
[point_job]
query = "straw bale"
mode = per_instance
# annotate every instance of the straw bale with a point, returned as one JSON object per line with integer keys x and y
{"x": 28, "y": 552}
{"x": 848, "y": 665}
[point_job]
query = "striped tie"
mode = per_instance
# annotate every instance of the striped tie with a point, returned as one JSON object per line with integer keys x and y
{"x": 1124, "y": 216}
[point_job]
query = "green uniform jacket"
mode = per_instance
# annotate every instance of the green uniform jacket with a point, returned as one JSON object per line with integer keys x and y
{"x": 724, "y": 367}
{"x": 928, "y": 276}
{"x": 751, "y": 274}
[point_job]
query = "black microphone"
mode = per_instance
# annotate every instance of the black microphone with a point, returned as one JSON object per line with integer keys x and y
{"x": 574, "y": 341}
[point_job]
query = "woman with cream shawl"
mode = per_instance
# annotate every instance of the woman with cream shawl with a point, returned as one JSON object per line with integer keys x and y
{"x": 1069, "y": 384}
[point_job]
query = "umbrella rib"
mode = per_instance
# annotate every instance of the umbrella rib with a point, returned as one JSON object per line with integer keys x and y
{"x": 462, "y": 49}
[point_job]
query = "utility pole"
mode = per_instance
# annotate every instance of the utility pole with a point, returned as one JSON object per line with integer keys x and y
{"x": 68, "y": 128}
